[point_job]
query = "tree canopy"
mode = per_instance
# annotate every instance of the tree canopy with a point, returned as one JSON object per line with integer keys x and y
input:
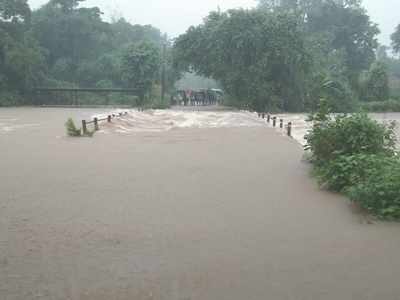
{"x": 396, "y": 39}
{"x": 63, "y": 44}
{"x": 284, "y": 54}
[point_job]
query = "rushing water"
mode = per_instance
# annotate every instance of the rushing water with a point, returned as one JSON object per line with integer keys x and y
{"x": 162, "y": 120}
{"x": 301, "y": 126}
{"x": 24, "y": 120}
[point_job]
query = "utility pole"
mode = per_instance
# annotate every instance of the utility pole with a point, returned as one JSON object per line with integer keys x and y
{"x": 163, "y": 75}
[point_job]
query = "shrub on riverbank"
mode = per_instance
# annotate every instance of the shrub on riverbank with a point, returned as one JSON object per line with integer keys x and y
{"x": 379, "y": 191}
{"x": 349, "y": 135}
{"x": 356, "y": 155}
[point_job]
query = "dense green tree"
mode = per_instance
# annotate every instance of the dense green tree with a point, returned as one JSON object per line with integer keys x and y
{"x": 21, "y": 60}
{"x": 64, "y": 44}
{"x": 66, "y": 5}
{"x": 396, "y": 39}
{"x": 124, "y": 33}
{"x": 14, "y": 10}
{"x": 140, "y": 66}
{"x": 258, "y": 56}
{"x": 70, "y": 36}
{"x": 375, "y": 83}
{"x": 347, "y": 28}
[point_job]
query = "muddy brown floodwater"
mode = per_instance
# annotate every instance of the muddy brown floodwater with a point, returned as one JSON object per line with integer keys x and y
{"x": 206, "y": 205}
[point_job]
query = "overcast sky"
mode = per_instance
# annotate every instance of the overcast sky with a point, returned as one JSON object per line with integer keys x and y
{"x": 175, "y": 16}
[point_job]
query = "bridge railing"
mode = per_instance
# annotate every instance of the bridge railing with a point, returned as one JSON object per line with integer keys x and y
{"x": 96, "y": 121}
{"x": 288, "y": 127}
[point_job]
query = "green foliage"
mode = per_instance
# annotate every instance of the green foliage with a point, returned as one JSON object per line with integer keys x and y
{"x": 356, "y": 155}
{"x": 349, "y": 135}
{"x": 14, "y": 11}
{"x": 256, "y": 55}
{"x": 347, "y": 29}
{"x": 140, "y": 66}
{"x": 396, "y": 39}
{"x": 348, "y": 170}
{"x": 375, "y": 83}
{"x": 10, "y": 99}
{"x": 379, "y": 192}
{"x": 334, "y": 90}
{"x": 71, "y": 128}
{"x": 285, "y": 55}
{"x": 63, "y": 44}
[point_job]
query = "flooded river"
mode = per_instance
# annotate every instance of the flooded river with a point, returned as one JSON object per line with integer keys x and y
{"x": 177, "y": 205}
{"x": 26, "y": 119}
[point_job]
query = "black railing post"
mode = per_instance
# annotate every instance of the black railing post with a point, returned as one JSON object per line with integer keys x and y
{"x": 84, "y": 127}
{"x": 96, "y": 124}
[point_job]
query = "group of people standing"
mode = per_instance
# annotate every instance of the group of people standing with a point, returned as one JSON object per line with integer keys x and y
{"x": 198, "y": 98}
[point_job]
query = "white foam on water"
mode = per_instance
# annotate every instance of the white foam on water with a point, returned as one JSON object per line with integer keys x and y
{"x": 8, "y": 120}
{"x": 301, "y": 127}
{"x": 165, "y": 120}
{"x": 5, "y": 128}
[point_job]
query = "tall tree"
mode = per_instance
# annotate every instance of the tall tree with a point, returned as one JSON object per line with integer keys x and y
{"x": 258, "y": 56}
{"x": 14, "y": 10}
{"x": 21, "y": 59}
{"x": 375, "y": 83}
{"x": 140, "y": 67}
{"x": 396, "y": 40}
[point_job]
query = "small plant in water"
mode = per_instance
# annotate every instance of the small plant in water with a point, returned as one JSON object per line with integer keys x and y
{"x": 71, "y": 128}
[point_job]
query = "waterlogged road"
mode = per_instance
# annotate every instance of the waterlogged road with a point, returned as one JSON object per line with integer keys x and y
{"x": 190, "y": 206}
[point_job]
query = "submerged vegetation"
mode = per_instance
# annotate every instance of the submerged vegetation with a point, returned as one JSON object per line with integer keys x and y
{"x": 356, "y": 155}
{"x": 72, "y": 130}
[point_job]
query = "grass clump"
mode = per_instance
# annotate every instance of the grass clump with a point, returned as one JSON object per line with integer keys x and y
{"x": 72, "y": 130}
{"x": 356, "y": 155}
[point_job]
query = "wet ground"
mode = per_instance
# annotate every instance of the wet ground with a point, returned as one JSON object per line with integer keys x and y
{"x": 206, "y": 205}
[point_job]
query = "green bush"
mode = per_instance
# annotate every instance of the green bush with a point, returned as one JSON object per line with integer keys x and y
{"x": 348, "y": 170}
{"x": 356, "y": 155}
{"x": 71, "y": 128}
{"x": 349, "y": 135}
{"x": 379, "y": 193}
{"x": 10, "y": 99}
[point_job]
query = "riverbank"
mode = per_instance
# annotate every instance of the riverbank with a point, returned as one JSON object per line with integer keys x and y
{"x": 187, "y": 213}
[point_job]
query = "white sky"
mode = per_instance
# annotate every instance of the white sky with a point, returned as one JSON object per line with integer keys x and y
{"x": 175, "y": 16}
